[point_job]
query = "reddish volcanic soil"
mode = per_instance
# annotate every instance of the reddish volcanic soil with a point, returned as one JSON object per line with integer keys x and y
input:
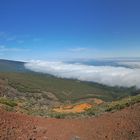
{"x": 121, "y": 125}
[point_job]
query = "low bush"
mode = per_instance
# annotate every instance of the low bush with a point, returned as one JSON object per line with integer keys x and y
{"x": 57, "y": 115}
{"x": 8, "y": 102}
{"x": 120, "y": 104}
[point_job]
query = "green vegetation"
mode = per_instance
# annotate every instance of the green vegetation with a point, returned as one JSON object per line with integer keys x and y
{"x": 8, "y": 102}
{"x": 117, "y": 105}
{"x": 27, "y": 108}
{"x": 113, "y": 106}
{"x": 100, "y": 109}
{"x": 63, "y": 89}
{"x": 39, "y": 93}
{"x": 57, "y": 115}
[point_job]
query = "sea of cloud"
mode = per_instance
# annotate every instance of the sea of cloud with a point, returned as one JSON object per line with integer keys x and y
{"x": 133, "y": 64}
{"x": 107, "y": 75}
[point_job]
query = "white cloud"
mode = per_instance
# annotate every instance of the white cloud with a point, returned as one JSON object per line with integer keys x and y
{"x": 79, "y": 49}
{"x": 8, "y": 49}
{"x": 108, "y": 75}
{"x": 8, "y": 37}
{"x": 133, "y": 64}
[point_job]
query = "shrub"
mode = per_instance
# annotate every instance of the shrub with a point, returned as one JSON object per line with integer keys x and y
{"x": 57, "y": 115}
{"x": 8, "y": 102}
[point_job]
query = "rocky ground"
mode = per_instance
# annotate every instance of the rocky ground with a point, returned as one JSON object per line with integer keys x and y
{"x": 120, "y": 125}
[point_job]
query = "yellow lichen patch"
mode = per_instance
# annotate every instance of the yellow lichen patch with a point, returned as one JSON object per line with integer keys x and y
{"x": 98, "y": 101}
{"x": 68, "y": 107}
{"x": 73, "y": 109}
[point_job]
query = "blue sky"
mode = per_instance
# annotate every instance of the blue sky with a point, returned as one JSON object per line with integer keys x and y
{"x": 69, "y": 29}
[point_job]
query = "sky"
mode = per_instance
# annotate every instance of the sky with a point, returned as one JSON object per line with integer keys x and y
{"x": 69, "y": 29}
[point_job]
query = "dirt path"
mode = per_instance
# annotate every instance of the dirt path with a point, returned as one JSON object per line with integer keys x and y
{"x": 121, "y": 125}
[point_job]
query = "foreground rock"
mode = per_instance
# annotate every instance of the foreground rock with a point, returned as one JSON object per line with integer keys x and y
{"x": 121, "y": 125}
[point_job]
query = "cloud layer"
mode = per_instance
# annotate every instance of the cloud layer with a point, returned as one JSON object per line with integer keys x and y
{"x": 108, "y": 75}
{"x": 133, "y": 64}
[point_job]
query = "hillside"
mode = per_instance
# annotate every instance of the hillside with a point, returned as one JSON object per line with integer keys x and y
{"x": 12, "y": 66}
{"x": 38, "y": 93}
{"x": 70, "y": 109}
{"x": 64, "y": 89}
{"x": 121, "y": 125}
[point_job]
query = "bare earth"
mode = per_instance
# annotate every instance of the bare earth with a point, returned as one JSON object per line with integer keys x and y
{"x": 121, "y": 125}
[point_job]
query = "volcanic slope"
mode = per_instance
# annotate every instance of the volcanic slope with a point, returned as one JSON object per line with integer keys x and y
{"x": 120, "y": 125}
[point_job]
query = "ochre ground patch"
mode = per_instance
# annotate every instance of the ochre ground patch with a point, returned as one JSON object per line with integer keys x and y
{"x": 73, "y": 108}
{"x": 79, "y": 107}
